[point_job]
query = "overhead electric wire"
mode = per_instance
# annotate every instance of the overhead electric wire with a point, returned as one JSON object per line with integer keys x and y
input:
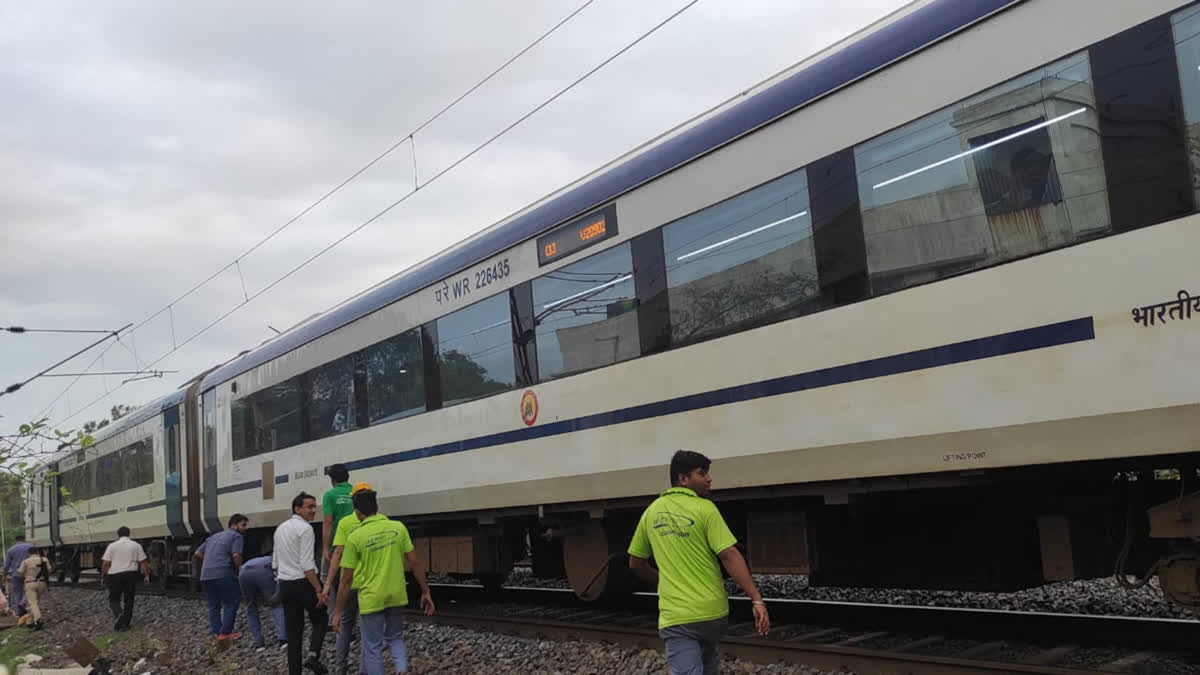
{"x": 405, "y": 197}
{"x": 16, "y": 386}
{"x": 366, "y": 167}
{"x": 22, "y": 329}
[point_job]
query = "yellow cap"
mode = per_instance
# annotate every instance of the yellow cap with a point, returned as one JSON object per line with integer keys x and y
{"x": 358, "y": 487}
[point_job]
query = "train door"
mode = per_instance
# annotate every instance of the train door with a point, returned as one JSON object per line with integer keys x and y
{"x": 174, "y": 473}
{"x": 208, "y": 444}
{"x": 191, "y": 425}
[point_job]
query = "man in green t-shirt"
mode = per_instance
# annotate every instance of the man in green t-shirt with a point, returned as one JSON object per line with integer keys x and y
{"x": 335, "y": 505}
{"x": 373, "y": 562}
{"x": 345, "y": 526}
{"x": 685, "y": 534}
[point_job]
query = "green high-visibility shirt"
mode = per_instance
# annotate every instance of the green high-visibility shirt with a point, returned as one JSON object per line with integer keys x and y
{"x": 345, "y": 527}
{"x": 375, "y": 551}
{"x": 684, "y": 532}
{"x": 336, "y": 501}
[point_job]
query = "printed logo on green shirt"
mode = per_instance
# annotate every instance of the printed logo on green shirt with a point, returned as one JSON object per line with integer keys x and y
{"x": 667, "y": 524}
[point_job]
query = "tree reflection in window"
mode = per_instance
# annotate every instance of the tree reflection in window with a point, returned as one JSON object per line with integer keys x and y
{"x": 475, "y": 352}
{"x": 395, "y": 377}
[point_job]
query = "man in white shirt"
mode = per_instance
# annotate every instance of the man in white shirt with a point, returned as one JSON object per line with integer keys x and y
{"x": 300, "y": 591}
{"x": 121, "y": 562}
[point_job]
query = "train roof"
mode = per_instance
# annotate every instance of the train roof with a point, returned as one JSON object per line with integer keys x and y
{"x": 894, "y": 37}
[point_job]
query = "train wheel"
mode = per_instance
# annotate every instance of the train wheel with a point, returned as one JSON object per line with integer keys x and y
{"x": 586, "y": 558}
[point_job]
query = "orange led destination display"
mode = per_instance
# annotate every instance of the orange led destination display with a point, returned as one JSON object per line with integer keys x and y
{"x": 577, "y": 236}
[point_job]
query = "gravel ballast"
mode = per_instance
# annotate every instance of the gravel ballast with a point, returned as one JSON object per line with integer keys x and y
{"x": 1093, "y": 596}
{"x": 169, "y": 636}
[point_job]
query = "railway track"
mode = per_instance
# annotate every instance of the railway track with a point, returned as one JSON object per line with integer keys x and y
{"x": 862, "y": 638}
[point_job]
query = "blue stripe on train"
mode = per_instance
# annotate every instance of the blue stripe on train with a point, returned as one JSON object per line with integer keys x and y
{"x": 1028, "y": 339}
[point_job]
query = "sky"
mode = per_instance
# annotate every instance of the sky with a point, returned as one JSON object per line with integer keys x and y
{"x": 146, "y": 145}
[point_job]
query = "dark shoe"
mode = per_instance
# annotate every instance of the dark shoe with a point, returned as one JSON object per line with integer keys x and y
{"x": 314, "y": 664}
{"x": 39, "y": 624}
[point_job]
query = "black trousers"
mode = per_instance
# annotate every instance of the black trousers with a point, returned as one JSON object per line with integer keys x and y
{"x": 120, "y": 591}
{"x": 298, "y": 598}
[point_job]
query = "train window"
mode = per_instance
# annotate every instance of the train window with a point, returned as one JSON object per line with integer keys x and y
{"x": 272, "y": 418}
{"x": 1009, "y": 172}
{"x": 146, "y": 461}
{"x": 743, "y": 262}
{"x": 475, "y": 354}
{"x": 586, "y": 314}
{"x": 395, "y": 377}
{"x": 108, "y": 478}
{"x": 91, "y": 487}
{"x": 241, "y": 440}
{"x": 1186, "y": 26}
{"x": 208, "y": 404}
{"x": 331, "y": 398}
{"x": 129, "y": 469}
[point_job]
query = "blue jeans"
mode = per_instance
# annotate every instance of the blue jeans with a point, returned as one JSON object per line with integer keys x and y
{"x": 694, "y": 648}
{"x": 341, "y": 653}
{"x": 258, "y": 583}
{"x": 16, "y": 594}
{"x": 380, "y": 627}
{"x": 223, "y": 594}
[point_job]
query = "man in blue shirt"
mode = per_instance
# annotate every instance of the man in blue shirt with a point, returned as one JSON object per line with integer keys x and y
{"x": 258, "y": 584}
{"x": 222, "y": 556}
{"x": 17, "y": 553}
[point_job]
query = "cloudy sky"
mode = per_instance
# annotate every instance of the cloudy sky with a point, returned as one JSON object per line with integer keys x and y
{"x": 145, "y": 145}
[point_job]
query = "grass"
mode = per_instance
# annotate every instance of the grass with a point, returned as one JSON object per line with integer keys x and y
{"x": 16, "y": 644}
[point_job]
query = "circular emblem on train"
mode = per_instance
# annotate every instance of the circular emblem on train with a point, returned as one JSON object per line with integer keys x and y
{"x": 529, "y": 408}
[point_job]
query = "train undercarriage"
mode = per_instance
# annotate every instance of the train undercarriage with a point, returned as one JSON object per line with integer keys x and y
{"x": 992, "y": 530}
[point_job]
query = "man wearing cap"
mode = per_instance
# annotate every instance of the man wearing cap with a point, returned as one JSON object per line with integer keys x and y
{"x": 373, "y": 560}
{"x": 345, "y": 527}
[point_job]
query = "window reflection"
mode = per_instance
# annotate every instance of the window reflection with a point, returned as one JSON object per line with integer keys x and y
{"x": 1186, "y": 26}
{"x": 268, "y": 420}
{"x": 744, "y": 262}
{"x": 1009, "y": 172}
{"x": 395, "y": 378}
{"x": 331, "y": 398}
{"x": 124, "y": 469}
{"x": 475, "y": 353}
{"x": 586, "y": 314}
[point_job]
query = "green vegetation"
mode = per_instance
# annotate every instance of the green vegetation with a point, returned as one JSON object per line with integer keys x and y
{"x": 16, "y": 644}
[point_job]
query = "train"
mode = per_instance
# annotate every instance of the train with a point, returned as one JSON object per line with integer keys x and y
{"x": 926, "y": 298}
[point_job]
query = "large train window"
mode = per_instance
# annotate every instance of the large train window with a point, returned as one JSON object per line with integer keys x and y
{"x": 586, "y": 314}
{"x": 1009, "y": 172}
{"x": 1186, "y": 26}
{"x": 267, "y": 420}
{"x": 475, "y": 352}
{"x": 331, "y": 398}
{"x": 744, "y": 262}
{"x": 395, "y": 377}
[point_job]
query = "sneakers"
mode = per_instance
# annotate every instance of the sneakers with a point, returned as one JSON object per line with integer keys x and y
{"x": 228, "y": 636}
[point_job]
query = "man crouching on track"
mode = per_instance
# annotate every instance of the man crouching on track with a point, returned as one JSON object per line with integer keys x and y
{"x": 686, "y": 535}
{"x": 373, "y": 562}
